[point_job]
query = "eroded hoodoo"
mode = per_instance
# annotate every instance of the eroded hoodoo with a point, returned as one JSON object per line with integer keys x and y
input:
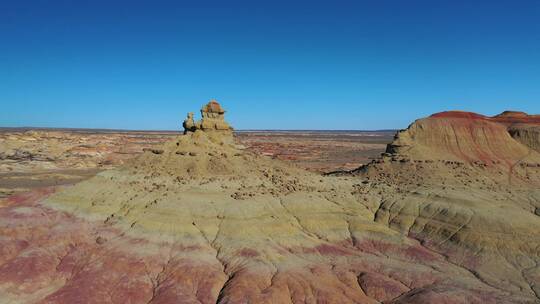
{"x": 212, "y": 119}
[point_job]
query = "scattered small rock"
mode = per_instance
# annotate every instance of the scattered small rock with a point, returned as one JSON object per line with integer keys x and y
{"x": 155, "y": 151}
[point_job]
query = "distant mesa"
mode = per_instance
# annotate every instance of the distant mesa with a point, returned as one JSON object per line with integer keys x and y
{"x": 213, "y": 119}
{"x": 514, "y": 117}
{"x": 458, "y": 114}
{"x": 506, "y": 117}
{"x": 513, "y": 114}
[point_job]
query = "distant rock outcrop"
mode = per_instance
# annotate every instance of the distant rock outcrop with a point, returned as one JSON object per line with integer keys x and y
{"x": 522, "y": 127}
{"x": 515, "y": 117}
{"x": 526, "y": 134}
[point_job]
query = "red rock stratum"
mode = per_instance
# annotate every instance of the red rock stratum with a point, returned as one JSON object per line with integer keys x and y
{"x": 449, "y": 215}
{"x": 469, "y": 137}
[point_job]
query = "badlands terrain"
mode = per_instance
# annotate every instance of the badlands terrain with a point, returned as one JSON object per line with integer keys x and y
{"x": 449, "y": 213}
{"x": 35, "y": 158}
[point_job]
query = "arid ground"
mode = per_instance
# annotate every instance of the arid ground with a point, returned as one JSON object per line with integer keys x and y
{"x": 448, "y": 213}
{"x": 35, "y": 158}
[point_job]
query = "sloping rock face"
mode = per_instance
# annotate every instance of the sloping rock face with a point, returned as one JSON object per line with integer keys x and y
{"x": 527, "y": 134}
{"x": 523, "y": 127}
{"x": 199, "y": 220}
{"x": 463, "y": 136}
{"x": 461, "y": 183}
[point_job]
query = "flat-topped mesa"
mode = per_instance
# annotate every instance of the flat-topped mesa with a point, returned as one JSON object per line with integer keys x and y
{"x": 212, "y": 119}
{"x": 516, "y": 117}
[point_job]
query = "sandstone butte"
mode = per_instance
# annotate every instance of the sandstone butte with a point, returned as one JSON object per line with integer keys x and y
{"x": 450, "y": 214}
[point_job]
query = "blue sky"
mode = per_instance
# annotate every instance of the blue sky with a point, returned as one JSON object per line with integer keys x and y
{"x": 272, "y": 64}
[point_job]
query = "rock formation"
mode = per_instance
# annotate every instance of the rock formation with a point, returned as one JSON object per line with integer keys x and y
{"x": 516, "y": 117}
{"x": 468, "y": 137}
{"x": 461, "y": 182}
{"x": 213, "y": 119}
{"x": 189, "y": 124}
{"x": 527, "y": 134}
{"x": 198, "y": 220}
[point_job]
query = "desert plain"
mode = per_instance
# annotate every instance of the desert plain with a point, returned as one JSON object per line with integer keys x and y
{"x": 40, "y": 157}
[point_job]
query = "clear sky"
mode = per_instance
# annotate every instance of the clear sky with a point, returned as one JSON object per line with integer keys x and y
{"x": 272, "y": 64}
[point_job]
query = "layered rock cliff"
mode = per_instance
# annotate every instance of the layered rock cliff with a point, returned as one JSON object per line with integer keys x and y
{"x": 467, "y": 137}
{"x": 527, "y": 134}
{"x": 466, "y": 185}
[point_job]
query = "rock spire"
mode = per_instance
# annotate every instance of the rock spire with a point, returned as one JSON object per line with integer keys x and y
{"x": 212, "y": 119}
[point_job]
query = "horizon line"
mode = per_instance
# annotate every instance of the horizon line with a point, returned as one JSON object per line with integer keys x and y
{"x": 29, "y": 128}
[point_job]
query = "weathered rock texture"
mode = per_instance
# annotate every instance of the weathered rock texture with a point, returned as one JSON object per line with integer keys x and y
{"x": 205, "y": 222}
{"x": 515, "y": 117}
{"x": 523, "y": 127}
{"x": 464, "y": 186}
{"x": 213, "y": 119}
{"x": 468, "y": 137}
{"x": 527, "y": 134}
